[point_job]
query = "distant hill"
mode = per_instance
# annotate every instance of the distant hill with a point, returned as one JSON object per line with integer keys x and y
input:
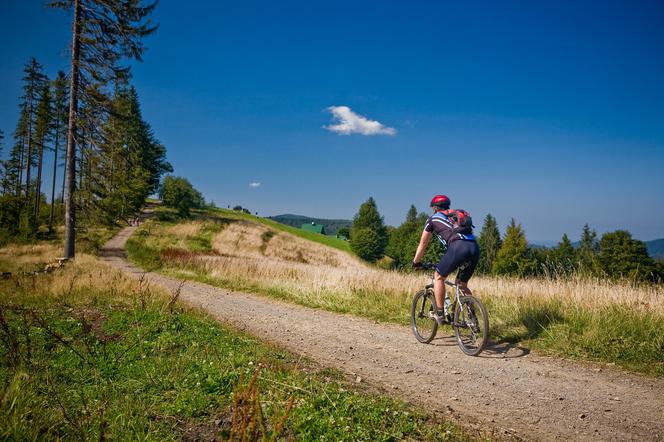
{"x": 656, "y": 248}
{"x": 331, "y": 225}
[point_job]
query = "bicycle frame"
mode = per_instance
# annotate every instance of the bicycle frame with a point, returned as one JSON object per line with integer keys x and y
{"x": 457, "y": 291}
{"x": 465, "y": 313}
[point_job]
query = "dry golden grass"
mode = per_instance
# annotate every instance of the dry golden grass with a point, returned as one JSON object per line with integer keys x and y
{"x": 77, "y": 279}
{"x": 254, "y": 241}
{"x": 317, "y": 283}
{"x": 313, "y": 274}
{"x": 28, "y": 257}
{"x": 590, "y": 293}
{"x": 187, "y": 229}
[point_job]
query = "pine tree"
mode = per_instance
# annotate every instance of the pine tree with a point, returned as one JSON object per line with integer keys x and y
{"x": 33, "y": 80}
{"x": 103, "y": 33}
{"x": 399, "y": 245}
{"x": 620, "y": 256}
{"x": 15, "y": 163}
{"x": 587, "y": 253}
{"x": 59, "y": 130}
{"x": 563, "y": 257}
{"x": 133, "y": 161}
{"x": 411, "y": 216}
{"x": 368, "y": 233}
{"x": 43, "y": 126}
{"x": 403, "y": 241}
{"x": 489, "y": 242}
{"x": 514, "y": 257}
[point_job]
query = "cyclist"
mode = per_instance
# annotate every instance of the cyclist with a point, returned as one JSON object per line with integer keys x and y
{"x": 462, "y": 251}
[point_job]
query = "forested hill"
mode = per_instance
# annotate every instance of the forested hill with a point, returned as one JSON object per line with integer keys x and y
{"x": 655, "y": 248}
{"x": 332, "y": 226}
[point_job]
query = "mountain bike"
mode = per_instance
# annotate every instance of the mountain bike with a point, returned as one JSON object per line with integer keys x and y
{"x": 465, "y": 314}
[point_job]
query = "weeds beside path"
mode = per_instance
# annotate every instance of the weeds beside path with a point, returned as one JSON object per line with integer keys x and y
{"x": 87, "y": 353}
{"x": 507, "y": 389}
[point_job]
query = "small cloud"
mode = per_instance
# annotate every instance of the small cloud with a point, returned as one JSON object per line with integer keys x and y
{"x": 348, "y": 122}
{"x": 255, "y": 184}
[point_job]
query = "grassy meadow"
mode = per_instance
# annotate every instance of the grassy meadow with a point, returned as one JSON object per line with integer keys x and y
{"x": 574, "y": 317}
{"x": 88, "y": 353}
{"x": 327, "y": 240}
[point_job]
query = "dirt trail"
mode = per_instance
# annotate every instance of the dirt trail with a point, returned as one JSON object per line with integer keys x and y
{"x": 506, "y": 390}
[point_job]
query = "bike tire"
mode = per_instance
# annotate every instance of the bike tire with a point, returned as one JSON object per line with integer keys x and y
{"x": 424, "y": 326}
{"x": 471, "y": 325}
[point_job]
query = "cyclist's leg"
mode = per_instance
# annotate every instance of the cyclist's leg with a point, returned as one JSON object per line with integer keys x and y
{"x": 471, "y": 254}
{"x": 448, "y": 263}
{"x": 439, "y": 291}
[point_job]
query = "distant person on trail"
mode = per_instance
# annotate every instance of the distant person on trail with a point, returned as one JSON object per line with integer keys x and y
{"x": 453, "y": 228}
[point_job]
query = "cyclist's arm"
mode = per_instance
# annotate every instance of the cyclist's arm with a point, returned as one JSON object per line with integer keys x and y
{"x": 422, "y": 247}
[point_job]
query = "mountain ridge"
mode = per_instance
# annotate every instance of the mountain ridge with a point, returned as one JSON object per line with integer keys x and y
{"x": 332, "y": 226}
{"x": 655, "y": 247}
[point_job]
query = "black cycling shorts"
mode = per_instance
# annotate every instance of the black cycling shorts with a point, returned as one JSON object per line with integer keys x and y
{"x": 462, "y": 255}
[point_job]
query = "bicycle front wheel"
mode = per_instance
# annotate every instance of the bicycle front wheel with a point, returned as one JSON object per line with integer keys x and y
{"x": 471, "y": 325}
{"x": 421, "y": 315}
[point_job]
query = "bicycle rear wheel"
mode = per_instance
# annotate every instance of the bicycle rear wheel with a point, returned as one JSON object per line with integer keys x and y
{"x": 421, "y": 315}
{"x": 471, "y": 325}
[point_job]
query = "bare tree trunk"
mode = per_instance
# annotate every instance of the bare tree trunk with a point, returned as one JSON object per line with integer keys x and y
{"x": 64, "y": 179}
{"x": 70, "y": 210}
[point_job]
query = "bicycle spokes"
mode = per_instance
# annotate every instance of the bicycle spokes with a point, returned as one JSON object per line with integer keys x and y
{"x": 471, "y": 325}
{"x": 423, "y": 324}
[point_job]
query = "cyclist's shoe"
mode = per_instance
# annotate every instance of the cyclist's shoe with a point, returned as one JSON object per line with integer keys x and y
{"x": 439, "y": 316}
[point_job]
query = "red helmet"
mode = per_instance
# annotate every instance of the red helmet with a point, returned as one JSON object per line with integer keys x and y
{"x": 440, "y": 201}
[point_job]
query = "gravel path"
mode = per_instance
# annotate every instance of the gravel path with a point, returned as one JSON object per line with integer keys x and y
{"x": 511, "y": 393}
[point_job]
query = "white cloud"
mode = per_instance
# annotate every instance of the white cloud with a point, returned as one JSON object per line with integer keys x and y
{"x": 255, "y": 184}
{"x": 348, "y": 122}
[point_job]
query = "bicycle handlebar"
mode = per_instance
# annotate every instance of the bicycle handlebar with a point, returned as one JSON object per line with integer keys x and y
{"x": 427, "y": 266}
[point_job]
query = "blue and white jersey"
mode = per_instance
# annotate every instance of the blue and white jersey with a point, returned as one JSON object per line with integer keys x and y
{"x": 440, "y": 225}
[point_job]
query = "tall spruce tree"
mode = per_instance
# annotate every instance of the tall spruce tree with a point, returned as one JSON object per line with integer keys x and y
{"x": 587, "y": 252}
{"x": 489, "y": 242}
{"x": 399, "y": 243}
{"x": 403, "y": 241}
{"x": 563, "y": 258}
{"x": 133, "y": 161}
{"x": 15, "y": 162}
{"x": 103, "y": 33}
{"x": 43, "y": 126}
{"x": 514, "y": 257}
{"x": 60, "y": 98}
{"x": 33, "y": 84}
{"x": 368, "y": 236}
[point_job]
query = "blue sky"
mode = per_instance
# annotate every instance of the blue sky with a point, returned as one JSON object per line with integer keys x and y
{"x": 551, "y": 113}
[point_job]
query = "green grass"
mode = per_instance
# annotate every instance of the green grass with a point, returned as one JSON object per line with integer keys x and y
{"x": 330, "y": 241}
{"x": 90, "y": 355}
{"x": 629, "y": 337}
